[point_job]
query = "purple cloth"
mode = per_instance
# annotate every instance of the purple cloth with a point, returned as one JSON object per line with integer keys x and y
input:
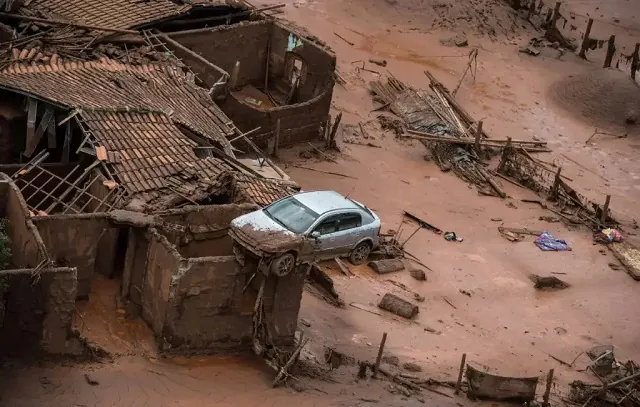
{"x": 549, "y": 243}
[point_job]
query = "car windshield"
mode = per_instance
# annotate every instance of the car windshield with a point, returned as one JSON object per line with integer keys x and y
{"x": 291, "y": 214}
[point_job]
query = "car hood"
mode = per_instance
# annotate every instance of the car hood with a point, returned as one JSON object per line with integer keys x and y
{"x": 262, "y": 233}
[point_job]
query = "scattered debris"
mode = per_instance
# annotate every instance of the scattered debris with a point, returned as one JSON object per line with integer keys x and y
{"x": 412, "y": 367}
{"x": 550, "y": 219}
{"x": 449, "y": 302}
{"x": 381, "y": 62}
{"x": 344, "y": 39}
{"x": 465, "y": 292}
{"x": 529, "y": 49}
{"x": 451, "y": 237}
{"x": 619, "y": 387}
{"x": 548, "y": 283}
{"x": 89, "y": 379}
{"x": 546, "y": 242}
{"x": 458, "y": 41}
{"x": 336, "y": 359}
{"x": 486, "y": 386}
{"x": 629, "y": 256}
{"x": 344, "y": 268}
{"x": 398, "y": 306}
{"x": 608, "y": 235}
{"x": 319, "y": 283}
{"x": 386, "y": 266}
{"x": 423, "y": 223}
{"x": 602, "y": 359}
{"x": 418, "y": 274}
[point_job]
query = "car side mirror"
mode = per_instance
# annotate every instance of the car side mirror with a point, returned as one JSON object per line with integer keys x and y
{"x": 315, "y": 234}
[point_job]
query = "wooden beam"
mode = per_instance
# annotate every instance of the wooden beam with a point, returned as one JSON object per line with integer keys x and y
{"x": 66, "y": 146}
{"x": 32, "y": 111}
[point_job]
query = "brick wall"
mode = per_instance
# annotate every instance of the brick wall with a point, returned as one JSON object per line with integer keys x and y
{"x": 248, "y": 43}
{"x": 72, "y": 240}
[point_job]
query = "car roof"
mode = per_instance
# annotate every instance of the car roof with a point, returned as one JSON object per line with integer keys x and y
{"x": 324, "y": 201}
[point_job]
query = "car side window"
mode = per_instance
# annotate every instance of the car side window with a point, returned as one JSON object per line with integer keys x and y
{"x": 327, "y": 226}
{"x": 350, "y": 221}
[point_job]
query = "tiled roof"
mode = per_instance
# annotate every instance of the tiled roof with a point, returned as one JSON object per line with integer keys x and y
{"x": 120, "y": 14}
{"x": 261, "y": 191}
{"x": 107, "y": 84}
{"x": 153, "y": 159}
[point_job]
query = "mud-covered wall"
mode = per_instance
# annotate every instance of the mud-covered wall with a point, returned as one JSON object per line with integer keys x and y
{"x": 72, "y": 240}
{"x": 27, "y": 247}
{"x": 249, "y": 43}
{"x": 106, "y": 250}
{"x": 224, "y": 45}
{"x": 205, "y": 307}
{"x": 37, "y": 314}
{"x": 207, "y": 228}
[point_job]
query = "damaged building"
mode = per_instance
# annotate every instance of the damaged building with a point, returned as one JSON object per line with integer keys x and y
{"x": 122, "y": 141}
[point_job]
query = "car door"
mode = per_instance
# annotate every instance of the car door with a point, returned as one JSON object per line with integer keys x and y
{"x": 325, "y": 244}
{"x": 348, "y": 232}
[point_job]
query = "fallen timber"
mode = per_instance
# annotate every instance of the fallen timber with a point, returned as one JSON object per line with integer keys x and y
{"x": 530, "y": 146}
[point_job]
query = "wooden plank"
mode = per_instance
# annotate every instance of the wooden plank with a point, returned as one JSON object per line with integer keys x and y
{"x": 32, "y": 110}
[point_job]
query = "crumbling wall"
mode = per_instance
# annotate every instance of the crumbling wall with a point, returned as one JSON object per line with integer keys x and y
{"x": 27, "y": 247}
{"x": 204, "y": 302}
{"x": 39, "y": 308}
{"x": 245, "y": 42}
{"x": 108, "y": 245}
{"x": 72, "y": 240}
{"x": 248, "y": 43}
{"x": 207, "y": 228}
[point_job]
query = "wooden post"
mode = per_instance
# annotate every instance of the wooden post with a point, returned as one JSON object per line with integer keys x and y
{"x": 266, "y": 68}
{"x": 547, "y": 20}
{"x": 556, "y": 14}
{"x": 379, "y": 358}
{"x": 532, "y": 8}
{"x": 540, "y": 7}
{"x": 611, "y": 49}
{"x": 634, "y": 62}
{"x": 463, "y": 363}
{"x": 545, "y": 398}
{"x": 478, "y": 137}
{"x": 585, "y": 40}
{"x": 605, "y": 210}
{"x": 556, "y": 184}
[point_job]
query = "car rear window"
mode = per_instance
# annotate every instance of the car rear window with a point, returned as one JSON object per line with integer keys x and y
{"x": 292, "y": 214}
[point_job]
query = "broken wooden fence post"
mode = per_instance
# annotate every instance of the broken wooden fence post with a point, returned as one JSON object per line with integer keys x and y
{"x": 380, "y": 350}
{"x": 556, "y": 14}
{"x": 605, "y": 210}
{"x": 532, "y": 8}
{"x": 545, "y": 398}
{"x": 463, "y": 362}
{"x": 611, "y": 49}
{"x": 277, "y": 140}
{"x": 478, "y": 137}
{"x": 331, "y": 143}
{"x": 585, "y": 40}
{"x": 556, "y": 184}
{"x": 634, "y": 62}
{"x": 285, "y": 368}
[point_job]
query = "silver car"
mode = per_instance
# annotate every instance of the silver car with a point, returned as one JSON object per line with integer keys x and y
{"x": 307, "y": 227}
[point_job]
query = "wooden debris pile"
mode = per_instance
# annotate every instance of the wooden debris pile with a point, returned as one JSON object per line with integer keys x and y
{"x": 455, "y": 140}
{"x": 619, "y": 388}
{"x": 519, "y": 167}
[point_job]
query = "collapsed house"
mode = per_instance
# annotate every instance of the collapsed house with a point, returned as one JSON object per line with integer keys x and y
{"x": 118, "y": 142}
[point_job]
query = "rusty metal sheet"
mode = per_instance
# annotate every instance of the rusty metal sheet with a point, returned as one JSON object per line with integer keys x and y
{"x": 500, "y": 388}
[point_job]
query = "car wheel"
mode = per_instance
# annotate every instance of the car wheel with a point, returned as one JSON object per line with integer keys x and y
{"x": 360, "y": 254}
{"x": 283, "y": 265}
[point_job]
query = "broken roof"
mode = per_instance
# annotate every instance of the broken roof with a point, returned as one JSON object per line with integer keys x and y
{"x": 261, "y": 191}
{"x": 153, "y": 159}
{"x": 107, "y": 84}
{"x": 119, "y": 14}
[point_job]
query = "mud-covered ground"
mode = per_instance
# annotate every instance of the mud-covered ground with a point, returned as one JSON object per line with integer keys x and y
{"x": 501, "y": 322}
